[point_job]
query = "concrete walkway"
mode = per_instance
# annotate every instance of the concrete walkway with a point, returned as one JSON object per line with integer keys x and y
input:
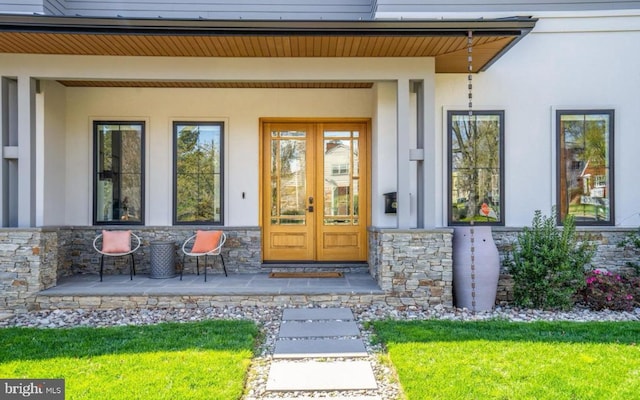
{"x": 321, "y": 349}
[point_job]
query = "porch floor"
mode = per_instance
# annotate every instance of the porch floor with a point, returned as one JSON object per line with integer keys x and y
{"x": 216, "y": 285}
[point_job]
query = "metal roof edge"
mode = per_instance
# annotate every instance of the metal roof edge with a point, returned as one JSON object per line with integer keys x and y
{"x": 514, "y": 26}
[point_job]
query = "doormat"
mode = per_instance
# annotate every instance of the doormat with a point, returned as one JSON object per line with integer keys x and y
{"x": 317, "y": 274}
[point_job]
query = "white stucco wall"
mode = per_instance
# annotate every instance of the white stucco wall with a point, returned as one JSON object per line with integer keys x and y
{"x": 590, "y": 65}
{"x": 565, "y": 63}
{"x": 239, "y": 109}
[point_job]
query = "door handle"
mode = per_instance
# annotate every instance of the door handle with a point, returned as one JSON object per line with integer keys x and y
{"x": 310, "y": 209}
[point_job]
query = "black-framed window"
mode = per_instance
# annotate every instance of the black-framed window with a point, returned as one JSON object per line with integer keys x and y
{"x": 118, "y": 184}
{"x": 585, "y": 166}
{"x": 198, "y": 172}
{"x": 475, "y": 167}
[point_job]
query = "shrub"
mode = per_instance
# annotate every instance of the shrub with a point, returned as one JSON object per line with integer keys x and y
{"x": 547, "y": 264}
{"x": 605, "y": 290}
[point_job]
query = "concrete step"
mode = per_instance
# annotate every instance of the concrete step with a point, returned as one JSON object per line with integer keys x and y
{"x": 347, "y": 397}
{"x": 315, "y": 329}
{"x": 317, "y": 376}
{"x": 339, "y": 397}
{"x": 319, "y": 348}
{"x": 314, "y": 314}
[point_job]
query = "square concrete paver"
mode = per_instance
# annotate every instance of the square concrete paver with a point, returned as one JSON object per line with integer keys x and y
{"x": 340, "y": 398}
{"x": 294, "y": 329}
{"x": 317, "y": 348}
{"x": 315, "y": 375}
{"x": 314, "y": 314}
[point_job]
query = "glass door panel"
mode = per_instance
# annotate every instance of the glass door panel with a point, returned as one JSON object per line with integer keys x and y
{"x": 340, "y": 193}
{"x": 288, "y": 178}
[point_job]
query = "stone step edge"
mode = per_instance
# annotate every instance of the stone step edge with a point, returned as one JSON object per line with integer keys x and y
{"x": 320, "y": 348}
{"x": 318, "y": 376}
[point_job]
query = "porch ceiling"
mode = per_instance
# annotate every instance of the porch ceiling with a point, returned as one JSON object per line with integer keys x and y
{"x": 445, "y": 40}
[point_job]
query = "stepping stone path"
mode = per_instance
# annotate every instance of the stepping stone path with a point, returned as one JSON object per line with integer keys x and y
{"x": 320, "y": 349}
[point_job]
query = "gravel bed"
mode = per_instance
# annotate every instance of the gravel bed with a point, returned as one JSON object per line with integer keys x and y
{"x": 269, "y": 319}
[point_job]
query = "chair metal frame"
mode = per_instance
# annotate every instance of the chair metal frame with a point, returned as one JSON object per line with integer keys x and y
{"x": 214, "y": 252}
{"x": 136, "y": 242}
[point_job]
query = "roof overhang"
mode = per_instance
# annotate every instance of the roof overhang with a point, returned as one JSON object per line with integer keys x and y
{"x": 444, "y": 40}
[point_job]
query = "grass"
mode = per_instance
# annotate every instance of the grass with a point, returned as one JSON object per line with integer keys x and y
{"x": 506, "y": 360}
{"x": 201, "y": 360}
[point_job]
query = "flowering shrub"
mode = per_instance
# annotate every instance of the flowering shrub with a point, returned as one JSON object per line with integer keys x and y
{"x": 605, "y": 290}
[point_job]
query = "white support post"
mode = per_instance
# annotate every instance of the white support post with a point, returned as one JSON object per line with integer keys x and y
{"x": 435, "y": 195}
{"x": 26, "y": 151}
{"x": 403, "y": 158}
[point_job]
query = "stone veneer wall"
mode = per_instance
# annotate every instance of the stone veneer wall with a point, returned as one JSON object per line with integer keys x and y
{"x": 607, "y": 256}
{"x": 414, "y": 267}
{"x": 202, "y": 302}
{"x": 241, "y": 251}
{"x": 33, "y": 259}
{"x": 28, "y": 264}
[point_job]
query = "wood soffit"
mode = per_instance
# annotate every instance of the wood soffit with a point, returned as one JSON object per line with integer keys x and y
{"x": 219, "y": 84}
{"x": 445, "y": 40}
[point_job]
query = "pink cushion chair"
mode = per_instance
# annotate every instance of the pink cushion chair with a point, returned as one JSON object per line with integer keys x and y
{"x": 115, "y": 244}
{"x": 204, "y": 243}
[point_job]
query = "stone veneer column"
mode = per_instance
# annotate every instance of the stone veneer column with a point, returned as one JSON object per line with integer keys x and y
{"x": 28, "y": 264}
{"x": 414, "y": 266}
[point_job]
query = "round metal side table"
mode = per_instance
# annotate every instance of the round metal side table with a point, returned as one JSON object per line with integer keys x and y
{"x": 163, "y": 263}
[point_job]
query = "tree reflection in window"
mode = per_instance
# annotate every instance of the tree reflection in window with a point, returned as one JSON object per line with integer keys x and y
{"x": 198, "y": 172}
{"x": 476, "y": 166}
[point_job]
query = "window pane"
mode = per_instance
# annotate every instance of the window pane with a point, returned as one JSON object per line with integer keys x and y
{"x": 119, "y": 178}
{"x": 292, "y": 179}
{"x": 288, "y": 177}
{"x": 198, "y": 180}
{"x": 475, "y": 166}
{"x": 337, "y": 183}
{"x": 337, "y": 134}
{"x": 585, "y": 166}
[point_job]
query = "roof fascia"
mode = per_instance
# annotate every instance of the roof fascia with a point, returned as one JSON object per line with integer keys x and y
{"x": 514, "y": 26}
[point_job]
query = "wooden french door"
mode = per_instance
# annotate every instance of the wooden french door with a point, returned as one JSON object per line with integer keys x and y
{"x": 315, "y": 190}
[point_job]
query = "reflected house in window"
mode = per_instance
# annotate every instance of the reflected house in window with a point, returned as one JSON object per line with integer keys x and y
{"x": 293, "y": 192}
{"x": 337, "y": 178}
{"x": 585, "y": 140}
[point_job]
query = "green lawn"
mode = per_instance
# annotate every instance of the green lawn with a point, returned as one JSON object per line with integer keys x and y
{"x": 506, "y": 360}
{"x": 202, "y": 360}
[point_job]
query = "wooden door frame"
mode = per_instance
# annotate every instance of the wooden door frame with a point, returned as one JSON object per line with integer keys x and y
{"x": 304, "y": 120}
